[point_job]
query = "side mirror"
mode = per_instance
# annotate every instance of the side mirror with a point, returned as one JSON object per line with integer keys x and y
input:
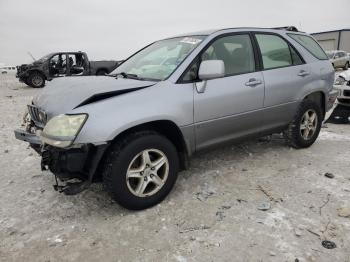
{"x": 210, "y": 69}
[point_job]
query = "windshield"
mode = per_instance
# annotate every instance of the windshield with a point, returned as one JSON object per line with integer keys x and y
{"x": 44, "y": 58}
{"x": 330, "y": 54}
{"x": 159, "y": 60}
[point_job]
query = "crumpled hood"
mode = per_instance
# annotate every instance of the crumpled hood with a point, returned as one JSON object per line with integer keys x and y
{"x": 345, "y": 74}
{"x": 61, "y": 95}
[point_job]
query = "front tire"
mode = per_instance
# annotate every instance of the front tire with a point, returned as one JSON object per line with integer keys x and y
{"x": 140, "y": 170}
{"x": 303, "y": 131}
{"x": 36, "y": 80}
{"x": 346, "y": 67}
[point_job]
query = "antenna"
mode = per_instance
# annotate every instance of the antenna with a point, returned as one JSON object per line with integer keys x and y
{"x": 31, "y": 55}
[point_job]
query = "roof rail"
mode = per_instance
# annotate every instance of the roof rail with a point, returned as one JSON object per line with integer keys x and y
{"x": 287, "y": 28}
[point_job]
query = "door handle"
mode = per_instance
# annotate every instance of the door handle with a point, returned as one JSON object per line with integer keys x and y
{"x": 303, "y": 73}
{"x": 253, "y": 82}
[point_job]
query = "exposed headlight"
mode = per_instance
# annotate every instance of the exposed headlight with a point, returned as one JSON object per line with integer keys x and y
{"x": 62, "y": 130}
{"x": 340, "y": 81}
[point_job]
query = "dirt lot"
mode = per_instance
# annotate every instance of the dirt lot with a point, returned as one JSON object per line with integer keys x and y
{"x": 211, "y": 215}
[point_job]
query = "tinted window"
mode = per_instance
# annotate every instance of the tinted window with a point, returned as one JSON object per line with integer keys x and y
{"x": 274, "y": 50}
{"x": 160, "y": 59}
{"x": 192, "y": 73}
{"x": 236, "y": 51}
{"x": 295, "y": 57}
{"x": 311, "y": 45}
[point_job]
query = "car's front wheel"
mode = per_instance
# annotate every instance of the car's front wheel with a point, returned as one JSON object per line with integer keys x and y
{"x": 346, "y": 67}
{"x": 304, "y": 129}
{"x": 141, "y": 169}
{"x": 36, "y": 80}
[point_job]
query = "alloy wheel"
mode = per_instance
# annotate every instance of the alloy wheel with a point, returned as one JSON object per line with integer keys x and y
{"x": 147, "y": 172}
{"x": 308, "y": 124}
{"x": 37, "y": 80}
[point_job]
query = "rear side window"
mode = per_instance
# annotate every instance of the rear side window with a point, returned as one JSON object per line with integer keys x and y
{"x": 311, "y": 45}
{"x": 295, "y": 57}
{"x": 274, "y": 50}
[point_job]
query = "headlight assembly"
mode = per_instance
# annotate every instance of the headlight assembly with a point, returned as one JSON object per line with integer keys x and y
{"x": 62, "y": 130}
{"x": 340, "y": 81}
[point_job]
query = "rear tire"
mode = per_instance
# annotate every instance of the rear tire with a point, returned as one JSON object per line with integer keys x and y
{"x": 346, "y": 67}
{"x": 36, "y": 80}
{"x": 303, "y": 131}
{"x": 127, "y": 173}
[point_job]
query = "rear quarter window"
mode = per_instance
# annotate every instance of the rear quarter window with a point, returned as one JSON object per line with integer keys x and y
{"x": 311, "y": 45}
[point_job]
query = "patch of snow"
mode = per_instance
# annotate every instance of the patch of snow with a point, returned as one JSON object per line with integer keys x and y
{"x": 329, "y": 136}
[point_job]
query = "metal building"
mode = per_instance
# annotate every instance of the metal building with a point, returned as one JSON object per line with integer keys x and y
{"x": 334, "y": 40}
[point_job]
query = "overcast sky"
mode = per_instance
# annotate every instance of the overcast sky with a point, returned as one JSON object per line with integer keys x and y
{"x": 115, "y": 29}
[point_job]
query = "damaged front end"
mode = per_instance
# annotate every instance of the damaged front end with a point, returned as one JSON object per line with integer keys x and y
{"x": 73, "y": 165}
{"x": 22, "y": 72}
{"x": 34, "y": 121}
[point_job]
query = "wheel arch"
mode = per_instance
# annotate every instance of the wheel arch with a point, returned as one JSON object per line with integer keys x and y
{"x": 318, "y": 97}
{"x": 166, "y": 128}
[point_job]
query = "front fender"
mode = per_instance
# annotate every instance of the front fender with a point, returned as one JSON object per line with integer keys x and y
{"x": 112, "y": 116}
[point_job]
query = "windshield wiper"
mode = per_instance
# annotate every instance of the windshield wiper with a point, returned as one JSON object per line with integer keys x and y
{"x": 133, "y": 76}
{"x": 126, "y": 75}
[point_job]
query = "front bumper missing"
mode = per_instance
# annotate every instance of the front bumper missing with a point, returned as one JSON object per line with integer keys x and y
{"x": 74, "y": 163}
{"x": 80, "y": 162}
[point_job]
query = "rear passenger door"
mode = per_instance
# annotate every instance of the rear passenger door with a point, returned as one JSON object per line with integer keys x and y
{"x": 285, "y": 75}
{"x": 230, "y": 106}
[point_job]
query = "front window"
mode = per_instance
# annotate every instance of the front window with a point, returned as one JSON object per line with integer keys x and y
{"x": 44, "y": 58}
{"x": 236, "y": 51}
{"x": 159, "y": 60}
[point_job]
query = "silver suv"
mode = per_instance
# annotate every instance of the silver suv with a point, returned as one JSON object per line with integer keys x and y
{"x": 136, "y": 128}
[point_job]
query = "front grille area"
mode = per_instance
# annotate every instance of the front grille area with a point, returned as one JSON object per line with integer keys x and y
{"x": 37, "y": 115}
{"x": 344, "y": 101}
{"x": 346, "y": 92}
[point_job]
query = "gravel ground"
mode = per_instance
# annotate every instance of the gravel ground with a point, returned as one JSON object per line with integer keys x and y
{"x": 211, "y": 215}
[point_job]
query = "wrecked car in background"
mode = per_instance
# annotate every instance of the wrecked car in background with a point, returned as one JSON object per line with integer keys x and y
{"x": 342, "y": 110}
{"x": 62, "y": 64}
{"x": 339, "y": 59}
{"x": 136, "y": 128}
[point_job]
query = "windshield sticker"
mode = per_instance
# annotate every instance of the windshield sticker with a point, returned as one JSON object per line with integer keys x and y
{"x": 191, "y": 40}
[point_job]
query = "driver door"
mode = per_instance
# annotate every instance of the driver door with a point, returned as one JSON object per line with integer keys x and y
{"x": 75, "y": 64}
{"x": 231, "y": 106}
{"x": 58, "y": 65}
